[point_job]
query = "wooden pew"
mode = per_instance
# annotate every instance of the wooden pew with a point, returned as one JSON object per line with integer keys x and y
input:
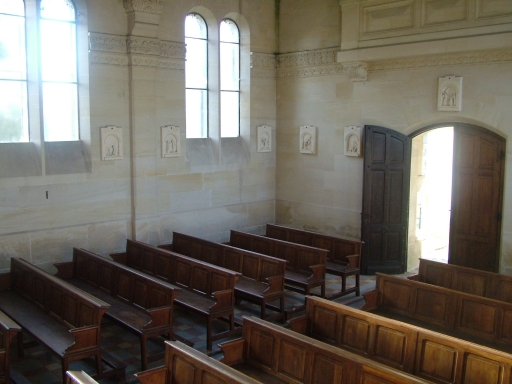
{"x": 469, "y": 280}
{"x": 270, "y": 353}
{"x": 8, "y": 329}
{"x": 60, "y": 316}
{"x": 418, "y": 351}
{"x": 343, "y": 259}
{"x": 306, "y": 265}
{"x": 186, "y": 365}
{"x": 262, "y": 279}
{"x": 139, "y": 303}
{"x": 207, "y": 290}
{"x": 476, "y": 319}
{"x": 77, "y": 377}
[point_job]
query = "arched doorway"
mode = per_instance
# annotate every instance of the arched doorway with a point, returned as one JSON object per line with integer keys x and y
{"x": 476, "y": 198}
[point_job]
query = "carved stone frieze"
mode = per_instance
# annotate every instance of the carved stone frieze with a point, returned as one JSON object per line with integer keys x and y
{"x": 448, "y": 59}
{"x": 157, "y": 62}
{"x": 108, "y": 59}
{"x": 355, "y": 71}
{"x": 107, "y": 43}
{"x": 149, "y": 6}
{"x": 263, "y": 64}
{"x": 172, "y": 49}
{"x": 306, "y": 59}
{"x": 143, "y": 45}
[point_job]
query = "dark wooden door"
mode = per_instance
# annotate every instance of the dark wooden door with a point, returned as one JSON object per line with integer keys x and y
{"x": 475, "y": 227}
{"x": 387, "y": 168}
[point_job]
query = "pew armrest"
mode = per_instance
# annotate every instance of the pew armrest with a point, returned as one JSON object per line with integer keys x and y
{"x": 370, "y": 300}
{"x": 299, "y": 324}
{"x": 414, "y": 278}
{"x": 119, "y": 257}
{"x": 353, "y": 261}
{"x": 276, "y": 284}
{"x": 160, "y": 317}
{"x": 233, "y": 351}
{"x": 318, "y": 272}
{"x": 86, "y": 338}
{"x": 224, "y": 300}
{"x": 64, "y": 270}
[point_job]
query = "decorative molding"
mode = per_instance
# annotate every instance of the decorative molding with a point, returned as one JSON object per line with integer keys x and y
{"x": 107, "y": 43}
{"x": 109, "y": 59}
{"x": 172, "y": 49}
{"x": 307, "y": 59}
{"x": 148, "y": 6}
{"x": 446, "y": 59}
{"x": 263, "y": 64}
{"x": 151, "y": 61}
{"x": 356, "y": 71}
{"x": 143, "y": 45}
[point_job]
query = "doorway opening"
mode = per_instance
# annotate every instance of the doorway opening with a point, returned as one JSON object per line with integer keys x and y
{"x": 430, "y": 196}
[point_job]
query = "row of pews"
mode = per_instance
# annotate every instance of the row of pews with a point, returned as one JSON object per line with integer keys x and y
{"x": 415, "y": 330}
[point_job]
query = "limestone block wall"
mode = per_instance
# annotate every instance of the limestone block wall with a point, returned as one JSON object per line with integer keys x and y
{"x": 136, "y": 82}
{"x": 392, "y": 86}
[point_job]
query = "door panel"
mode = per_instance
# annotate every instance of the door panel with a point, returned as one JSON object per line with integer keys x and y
{"x": 385, "y": 200}
{"x": 475, "y": 226}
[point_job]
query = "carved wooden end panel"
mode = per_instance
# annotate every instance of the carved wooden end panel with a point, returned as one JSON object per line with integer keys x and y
{"x": 220, "y": 282}
{"x": 292, "y": 361}
{"x": 261, "y": 347}
{"x": 182, "y": 371}
{"x": 269, "y": 269}
{"x": 437, "y": 361}
{"x": 437, "y": 275}
{"x": 482, "y": 370}
{"x": 125, "y": 287}
{"x": 471, "y": 283}
{"x": 327, "y": 370}
{"x": 477, "y": 317}
{"x": 300, "y": 238}
{"x": 183, "y": 273}
{"x": 250, "y": 267}
{"x": 325, "y": 325}
{"x": 233, "y": 260}
{"x": 140, "y": 293}
{"x": 276, "y": 232}
{"x": 433, "y": 306}
{"x": 200, "y": 280}
{"x": 396, "y": 295}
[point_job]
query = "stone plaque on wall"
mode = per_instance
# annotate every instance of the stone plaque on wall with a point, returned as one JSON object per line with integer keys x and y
{"x": 264, "y": 138}
{"x": 449, "y": 96}
{"x": 111, "y": 143}
{"x": 352, "y": 141}
{"x": 171, "y": 141}
{"x": 307, "y": 140}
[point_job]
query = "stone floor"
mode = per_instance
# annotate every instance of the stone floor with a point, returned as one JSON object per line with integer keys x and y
{"x": 39, "y": 366}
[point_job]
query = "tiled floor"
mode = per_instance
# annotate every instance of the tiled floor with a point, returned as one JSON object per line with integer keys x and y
{"x": 39, "y": 366}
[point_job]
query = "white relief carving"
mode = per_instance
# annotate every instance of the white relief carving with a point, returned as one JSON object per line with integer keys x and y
{"x": 303, "y": 59}
{"x": 264, "y": 138}
{"x": 356, "y": 71}
{"x": 145, "y": 61}
{"x": 449, "y": 96}
{"x": 172, "y": 49}
{"x": 307, "y": 139}
{"x": 149, "y": 6}
{"x": 107, "y": 43}
{"x": 170, "y": 141}
{"x": 109, "y": 59}
{"x": 111, "y": 143}
{"x": 263, "y": 60}
{"x": 352, "y": 141}
{"x": 143, "y": 45}
{"x": 447, "y": 59}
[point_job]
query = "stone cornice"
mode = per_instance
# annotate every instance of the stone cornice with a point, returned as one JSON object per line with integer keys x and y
{"x": 136, "y": 50}
{"x": 447, "y": 59}
{"x": 148, "y": 6}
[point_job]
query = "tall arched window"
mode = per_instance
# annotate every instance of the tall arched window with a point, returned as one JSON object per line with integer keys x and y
{"x": 57, "y": 33}
{"x": 229, "y": 79}
{"x": 13, "y": 73}
{"x": 196, "y": 76}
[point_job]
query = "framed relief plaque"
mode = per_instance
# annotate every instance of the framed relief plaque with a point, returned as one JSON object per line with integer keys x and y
{"x": 307, "y": 140}
{"x": 449, "y": 97}
{"x": 111, "y": 143}
{"x": 170, "y": 141}
{"x": 264, "y": 138}
{"x": 352, "y": 141}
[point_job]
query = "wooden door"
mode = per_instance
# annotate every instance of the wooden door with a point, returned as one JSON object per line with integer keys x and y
{"x": 478, "y": 172}
{"x": 387, "y": 167}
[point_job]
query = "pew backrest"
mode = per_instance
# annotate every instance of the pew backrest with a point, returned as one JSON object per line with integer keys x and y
{"x": 339, "y": 248}
{"x": 299, "y": 257}
{"x": 423, "y": 353}
{"x": 253, "y": 265}
{"x": 473, "y": 281}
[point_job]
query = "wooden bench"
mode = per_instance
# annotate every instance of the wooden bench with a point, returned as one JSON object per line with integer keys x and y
{"x": 79, "y": 377}
{"x": 463, "y": 279}
{"x": 343, "y": 259}
{"x": 188, "y": 366}
{"x": 418, "y": 351}
{"x": 306, "y": 265}
{"x": 8, "y": 329}
{"x": 207, "y": 290}
{"x": 476, "y": 319}
{"x": 272, "y": 354}
{"x": 262, "y": 279}
{"x": 139, "y": 303}
{"x": 60, "y": 316}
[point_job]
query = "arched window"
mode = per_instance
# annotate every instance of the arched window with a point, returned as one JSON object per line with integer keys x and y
{"x": 196, "y": 76}
{"x": 57, "y": 33}
{"x": 13, "y": 73}
{"x": 229, "y": 79}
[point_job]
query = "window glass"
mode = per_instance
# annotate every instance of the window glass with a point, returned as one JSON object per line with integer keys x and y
{"x": 229, "y": 79}
{"x": 13, "y": 73}
{"x": 196, "y": 76}
{"x": 59, "y": 70}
